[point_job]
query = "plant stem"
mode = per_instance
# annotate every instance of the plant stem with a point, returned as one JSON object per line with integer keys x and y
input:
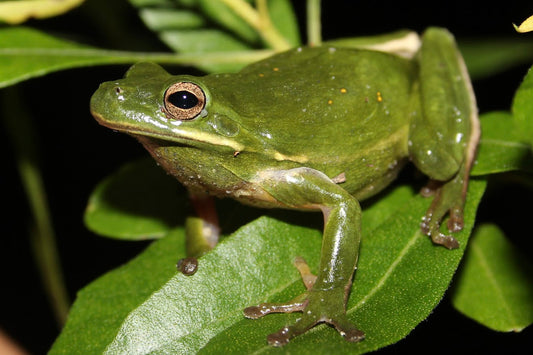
{"x": 260, "y": 21}
{"x": 42, "y": 233}
{"x": 314, "y": 26}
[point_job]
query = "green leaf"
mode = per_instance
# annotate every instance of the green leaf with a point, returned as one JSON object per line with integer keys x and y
{"x": 401, "y": 277}
{"x": 102, "y": 306}
{"x": 495, "y": 284}
{"x": 501, "y": 147}
{"x": 523, "y": 109}
{"x": 204, "y": 26}
{"x": 138, "y": 202}
{"x": 485, "y": 57}
{"x": 20, "y": 46}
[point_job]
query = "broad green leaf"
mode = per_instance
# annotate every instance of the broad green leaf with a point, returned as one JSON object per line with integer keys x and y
{"x": 485, "y": 57}
{"x": 102, "y": 306}
{"x": 401, "y": 277}
{"x": 501, "y": 148}
{"x": 522, "y": 109}
{"x": 203, "y": 26}
{"x": 141, "y": 201}
{"x": 19, "y": 48}
{"x": 137, "y": 202}
{"x": 15, "y": 12}
{"x": 495, "y": 284}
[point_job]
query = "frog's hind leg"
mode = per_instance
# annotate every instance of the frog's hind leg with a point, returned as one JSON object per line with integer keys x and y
{"x": 444, "y": 132}
{"x": 324, "y": 301}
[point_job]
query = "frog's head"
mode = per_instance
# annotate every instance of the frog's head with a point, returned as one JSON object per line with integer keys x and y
{"x": 150, "y": 103}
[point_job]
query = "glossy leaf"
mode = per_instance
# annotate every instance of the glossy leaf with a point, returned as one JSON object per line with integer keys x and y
{"x": 495, "y": 285}
{"x": 15, "y": 12}
{"x": 501, "y": 147}
{"x": 400, "y": 279}
{"x": 127, "y": 206}
{"x": 102, "y": 306}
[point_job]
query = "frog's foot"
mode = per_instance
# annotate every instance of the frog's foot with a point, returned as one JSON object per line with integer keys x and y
{"x": 448, "y": 200}
{"x": 324, "y": 306}
{"x": 318, "y": 306}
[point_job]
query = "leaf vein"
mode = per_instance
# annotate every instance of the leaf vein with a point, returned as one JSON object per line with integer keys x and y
{"x": 485, "y": 266}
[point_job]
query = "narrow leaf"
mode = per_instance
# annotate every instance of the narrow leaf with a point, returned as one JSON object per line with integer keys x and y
{"x": 20, "y": 46}
{"x": 495, "y": 285}
{"x": 200, "y": 26}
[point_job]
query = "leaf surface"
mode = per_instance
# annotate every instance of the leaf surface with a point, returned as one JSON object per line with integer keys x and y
{"x": 501, "y": 147}
{"x": 127, "y": 206}
{"x": 495, "y": 284}
{"x": 400, "y": 278}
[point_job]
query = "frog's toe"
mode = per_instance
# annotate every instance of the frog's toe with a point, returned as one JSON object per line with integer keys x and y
{"x": 342, "y": 324}
{"x": 456, "y": 222}
{"x": 347, "y": 330}
{"x": 447, "y": 241}
{"x": 255, "y": 312}
{"x": 279, "y": 338}
{"x": 282, "y": 336}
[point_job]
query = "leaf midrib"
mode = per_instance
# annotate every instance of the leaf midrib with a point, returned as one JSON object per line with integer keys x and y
{"x": 484, "y": 265}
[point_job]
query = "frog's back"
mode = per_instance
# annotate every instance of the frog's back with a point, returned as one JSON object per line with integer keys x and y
{"x": 332, "y": 109}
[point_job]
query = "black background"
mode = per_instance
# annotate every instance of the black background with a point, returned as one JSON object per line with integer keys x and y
{"x": 76, "y": 153}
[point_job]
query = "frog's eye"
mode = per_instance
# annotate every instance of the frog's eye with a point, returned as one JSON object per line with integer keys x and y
{"x": 184, "y": 101}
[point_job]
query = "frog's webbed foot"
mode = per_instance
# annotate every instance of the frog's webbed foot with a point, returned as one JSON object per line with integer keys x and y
{"x": 318, "y": 306}
{"x": 449, "y": 198}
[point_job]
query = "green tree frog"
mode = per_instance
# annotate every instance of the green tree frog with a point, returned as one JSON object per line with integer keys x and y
{"x": 317, "y": 128}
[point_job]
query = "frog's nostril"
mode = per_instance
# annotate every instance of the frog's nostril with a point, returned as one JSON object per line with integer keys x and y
{"x": 118, "y": 90}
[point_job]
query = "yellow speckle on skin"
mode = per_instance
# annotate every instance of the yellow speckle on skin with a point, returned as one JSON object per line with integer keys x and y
{"x": 261, "y": 75}
{"x": 344, "y": 91}
{"x": 330, "y": 102}
{"x": 275, "y": 69}
{"x": 378, "y": 95}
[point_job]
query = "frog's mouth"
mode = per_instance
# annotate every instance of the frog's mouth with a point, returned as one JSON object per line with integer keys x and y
{"x": 174, "y": 135}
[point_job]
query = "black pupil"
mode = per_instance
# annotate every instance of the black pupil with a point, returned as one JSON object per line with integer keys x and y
{"x": 183, "y": 99}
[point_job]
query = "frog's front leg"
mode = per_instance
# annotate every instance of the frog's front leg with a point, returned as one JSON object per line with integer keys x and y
{"x": 325, "y": 301}
{"x": 201, "y": 232}
{"x": 444, "y": 132}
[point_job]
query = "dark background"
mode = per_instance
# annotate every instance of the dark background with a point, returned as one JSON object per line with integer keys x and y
{"x": 76, "y": 153}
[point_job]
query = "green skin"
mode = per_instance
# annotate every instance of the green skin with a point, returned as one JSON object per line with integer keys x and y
{"x": 310, "y": 129}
